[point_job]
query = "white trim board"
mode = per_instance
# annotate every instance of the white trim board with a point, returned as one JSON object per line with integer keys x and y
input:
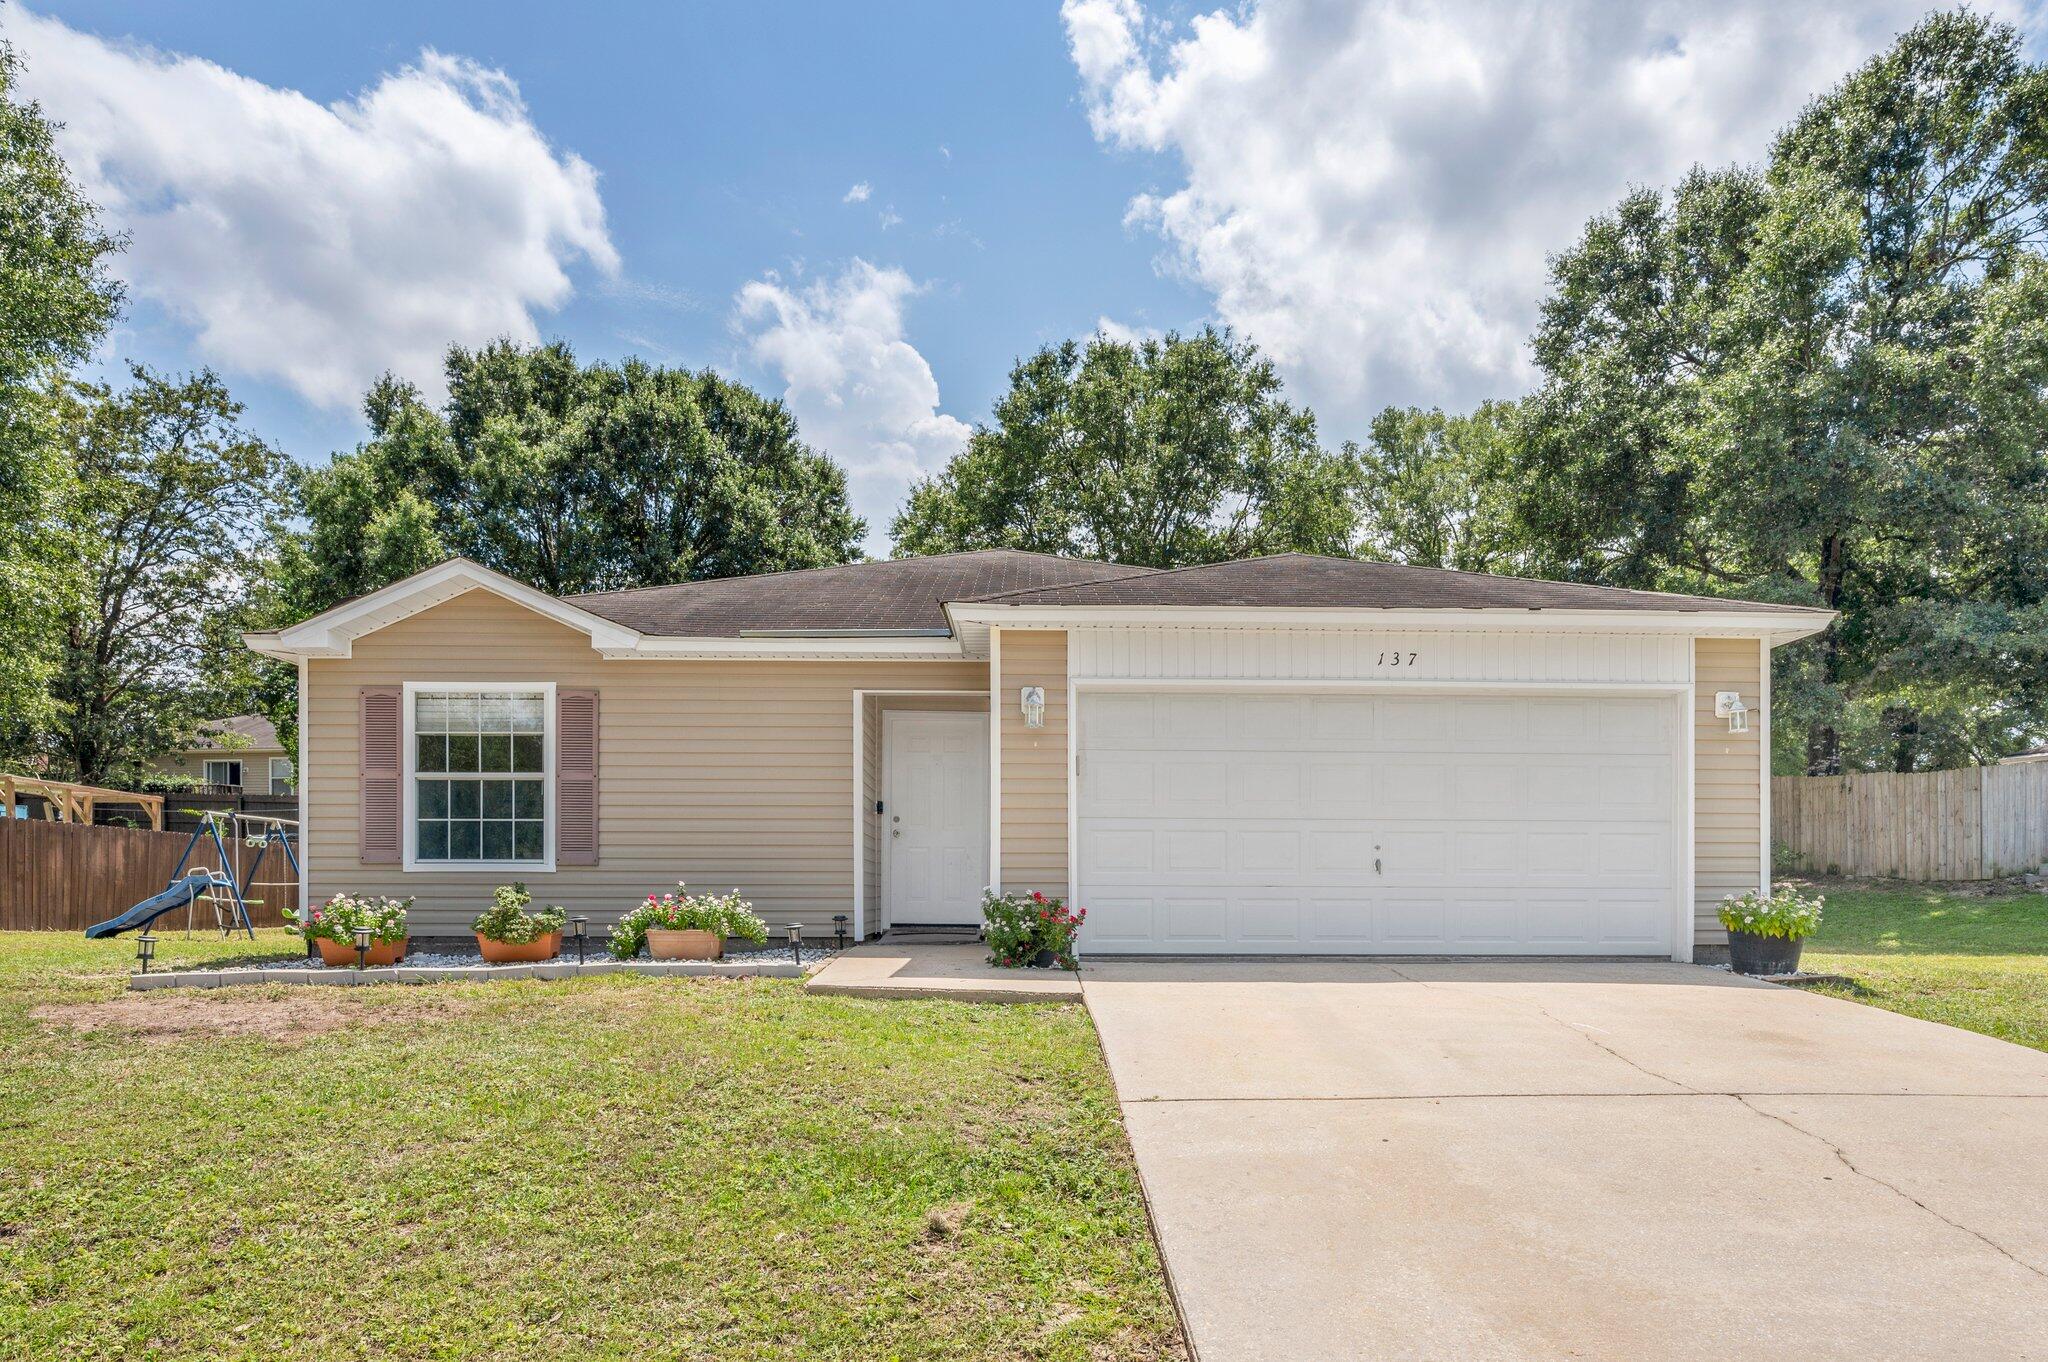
{"x": 408, "y": 795}
{"x": 860, "y": 697}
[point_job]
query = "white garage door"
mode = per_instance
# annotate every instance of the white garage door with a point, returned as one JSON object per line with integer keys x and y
{"x": 1250, "y": 822}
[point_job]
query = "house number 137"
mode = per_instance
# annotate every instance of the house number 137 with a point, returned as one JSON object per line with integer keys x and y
{"x": 1397, "y": 658}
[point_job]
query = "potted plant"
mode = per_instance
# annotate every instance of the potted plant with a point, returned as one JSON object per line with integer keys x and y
{"x": 684, "y": 926}
{"x": 506, "y": 933}
{"x": 1032, "y": 929}
{"x": 1765, "y": 933}
{"x": 331, "y": 926}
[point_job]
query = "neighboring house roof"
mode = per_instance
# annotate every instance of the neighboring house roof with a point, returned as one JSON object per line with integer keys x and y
{"x": 1306, "y": 581}
{"x": 2038, "y": 754}
{"x": 249, "y": 731}
{"x": 894, "y": 595}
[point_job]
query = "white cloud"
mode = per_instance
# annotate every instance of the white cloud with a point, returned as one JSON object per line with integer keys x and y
{"x": 860, "y": 391}
{"x": 1129, "y": 335}
{"x": 1369, "y": 190}
{"x": 888, "y": 218}
{"x": 321, "y": 244}
{"x": 859, "y": 193}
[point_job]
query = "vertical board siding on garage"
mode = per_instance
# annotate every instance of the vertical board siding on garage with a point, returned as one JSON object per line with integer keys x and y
{"x": 1156, "y": 652}
{"x": 1727, "y": 780}
{"x": 1034, "y": 778}
{"x": 722, "y": 773}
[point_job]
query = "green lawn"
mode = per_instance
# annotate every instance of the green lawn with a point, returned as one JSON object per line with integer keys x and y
{"x": 1976, "y": 962}
{"x": 609, "y": 1167}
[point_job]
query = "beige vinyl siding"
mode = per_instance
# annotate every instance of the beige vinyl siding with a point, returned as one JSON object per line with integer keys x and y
{"x": 719, "y": 773}
{"x": 1034, "y": 782}
{"x": 871, "y": 787}
{"x": 1727, "y": 780}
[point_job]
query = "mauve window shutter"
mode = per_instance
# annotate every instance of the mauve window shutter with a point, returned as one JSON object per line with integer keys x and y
{"x": 576, "y": 777}
{"x": 379, "y": 771}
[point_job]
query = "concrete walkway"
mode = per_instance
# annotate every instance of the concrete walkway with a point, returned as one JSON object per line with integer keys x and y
{"x": 898, "y": 969}
{"x": 1544, "y": 1160}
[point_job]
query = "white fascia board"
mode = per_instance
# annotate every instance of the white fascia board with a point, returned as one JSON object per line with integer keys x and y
{"x": 970, "y": 618}
{"x": 332, "y": 633}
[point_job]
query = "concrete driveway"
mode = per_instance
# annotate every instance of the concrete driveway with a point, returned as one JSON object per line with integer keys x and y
{"x": 1600, "y": 1160}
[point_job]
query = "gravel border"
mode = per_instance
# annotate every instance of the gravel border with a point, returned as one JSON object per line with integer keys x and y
{"x": 443, "y": 968}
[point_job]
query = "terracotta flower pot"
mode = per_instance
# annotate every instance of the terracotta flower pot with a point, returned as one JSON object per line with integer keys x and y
{"x": 335, "y": 955}
{"x": 691, "y": 944}
{"x": 522, "y": 952}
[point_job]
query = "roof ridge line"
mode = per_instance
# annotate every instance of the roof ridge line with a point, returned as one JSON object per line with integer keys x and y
{"x": 833, "y": 567}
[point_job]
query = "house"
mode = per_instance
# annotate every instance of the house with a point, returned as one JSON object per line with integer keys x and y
{"x": 241, "y": 753}
{"x": 2020, "y": 759}
{"x": 1285, "y": 754}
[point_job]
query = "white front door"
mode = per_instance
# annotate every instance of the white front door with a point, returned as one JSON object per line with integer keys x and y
{"x": 934, "y": 816}
{"x": 1244, "y": 822}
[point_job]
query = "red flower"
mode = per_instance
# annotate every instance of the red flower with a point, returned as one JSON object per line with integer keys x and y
{"x": 1037, "y": 897}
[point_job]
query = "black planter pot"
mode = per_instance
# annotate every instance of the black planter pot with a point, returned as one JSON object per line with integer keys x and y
{"x": 1750, "y": 953}
{"x": 1044, "y": 960}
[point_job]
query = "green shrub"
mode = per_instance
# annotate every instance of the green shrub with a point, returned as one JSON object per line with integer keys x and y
{"x": 1786, "y": 913}
{"x": 1021, "y": 925}
{"x": 729, "y": 915}
{"x": 338, "y": 918}
{"x": 508, "y": 921}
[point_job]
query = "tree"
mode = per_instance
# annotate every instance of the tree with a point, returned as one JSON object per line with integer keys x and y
{"x": 172, "y": 503}
{"x": 1823, "y": 382}
{"x": 1436, "y": 491}
{"x": 56, "y": 301}
{"x": 570, "y": 478}
{"x": 1157, "y": 453}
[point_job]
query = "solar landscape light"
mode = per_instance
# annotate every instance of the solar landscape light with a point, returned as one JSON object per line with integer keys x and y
{"x": 579, "y": 923}
{"x": 145, "y": 949}
{"x": 839, "y": 931}
{"x": 796, "y": 941}
{"x": 362, "y": 946}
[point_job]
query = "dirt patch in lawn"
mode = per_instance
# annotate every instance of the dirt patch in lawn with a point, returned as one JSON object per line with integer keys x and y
{"x": 165, "y": 1017}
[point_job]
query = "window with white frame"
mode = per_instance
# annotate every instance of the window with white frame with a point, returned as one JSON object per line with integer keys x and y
{"x": 479, "y": 775}
{"x": 280, "y": 775}
{"x": 224, "y": 773}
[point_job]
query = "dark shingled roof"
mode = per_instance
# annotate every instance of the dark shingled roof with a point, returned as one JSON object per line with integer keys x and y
{"x": 899, "y": 593}
{"x": 1302, "y": 579}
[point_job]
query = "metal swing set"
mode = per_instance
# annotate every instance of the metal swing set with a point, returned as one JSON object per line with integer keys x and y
{"x": 225, "y": 886}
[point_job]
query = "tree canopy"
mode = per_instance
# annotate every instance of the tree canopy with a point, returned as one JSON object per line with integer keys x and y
{"x": 1823, "y": 381}
{"x": 569, "y": 477}
{"x": 56, "y": 301}
{"x": 1159, "y": 453}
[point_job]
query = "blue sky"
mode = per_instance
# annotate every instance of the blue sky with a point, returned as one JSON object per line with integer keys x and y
{"x": 1365, "y": 189}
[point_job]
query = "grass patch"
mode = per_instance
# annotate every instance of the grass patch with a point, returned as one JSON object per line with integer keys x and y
{"x": 1953, "y": 955}
{"x": 608, "y": 1167}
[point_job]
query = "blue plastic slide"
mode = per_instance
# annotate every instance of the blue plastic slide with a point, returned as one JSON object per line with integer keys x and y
{"x": 155, "y": 906}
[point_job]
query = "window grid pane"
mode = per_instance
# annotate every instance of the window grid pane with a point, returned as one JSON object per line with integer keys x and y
{"x": 480, "y": 758}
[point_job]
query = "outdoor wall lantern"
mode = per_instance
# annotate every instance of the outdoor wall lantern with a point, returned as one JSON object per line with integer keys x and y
{"x": 1728, "y": 705}
{"x": 362, "y": 946}
{"x": 1034, "y": 706}
{"x": 145, "y": 949}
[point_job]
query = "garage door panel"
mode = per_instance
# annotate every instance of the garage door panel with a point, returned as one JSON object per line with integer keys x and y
{"x": 1336, "y": 823}
{"x": 1262, "y": 788}
{"x": 1266, "y": 919}
{"x": 1337, "y": 921}
{"x": 1196, "y": 921}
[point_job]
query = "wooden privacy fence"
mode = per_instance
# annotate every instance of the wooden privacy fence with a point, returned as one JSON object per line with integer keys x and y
{"x": 1975, "y": 824}
{"x": 67, "y": 876}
